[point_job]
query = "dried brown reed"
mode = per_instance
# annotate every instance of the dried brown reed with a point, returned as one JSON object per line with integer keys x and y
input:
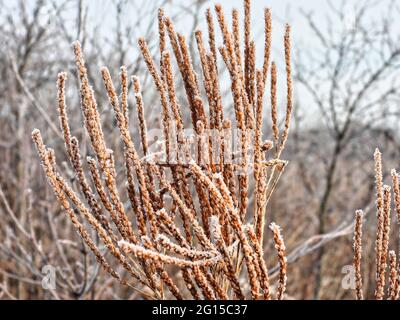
{"x": 206, "y": 232}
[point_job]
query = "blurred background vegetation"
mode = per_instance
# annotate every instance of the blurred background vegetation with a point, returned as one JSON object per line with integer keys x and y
{"x": 347, "y": 90}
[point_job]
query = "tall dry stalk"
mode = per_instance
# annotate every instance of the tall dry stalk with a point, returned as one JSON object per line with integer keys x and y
{"x": 387, "y": 271}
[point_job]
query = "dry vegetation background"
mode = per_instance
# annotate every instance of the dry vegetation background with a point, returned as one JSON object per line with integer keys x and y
{"x": 346, "y": 104}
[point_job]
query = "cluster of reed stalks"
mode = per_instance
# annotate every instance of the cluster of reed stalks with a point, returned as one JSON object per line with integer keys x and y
{"x": 190, "y": 227}
{"x": 387, "y": 269}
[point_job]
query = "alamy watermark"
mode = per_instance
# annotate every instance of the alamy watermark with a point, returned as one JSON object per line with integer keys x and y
{"x": 207, "y": 147}
{"x": 349, "y": 279}
{"x": 49, "y": 277}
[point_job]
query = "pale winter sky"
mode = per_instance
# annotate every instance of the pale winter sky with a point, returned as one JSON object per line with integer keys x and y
{"x": 101, "y": 12}
{"x": 282, "y": 10}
